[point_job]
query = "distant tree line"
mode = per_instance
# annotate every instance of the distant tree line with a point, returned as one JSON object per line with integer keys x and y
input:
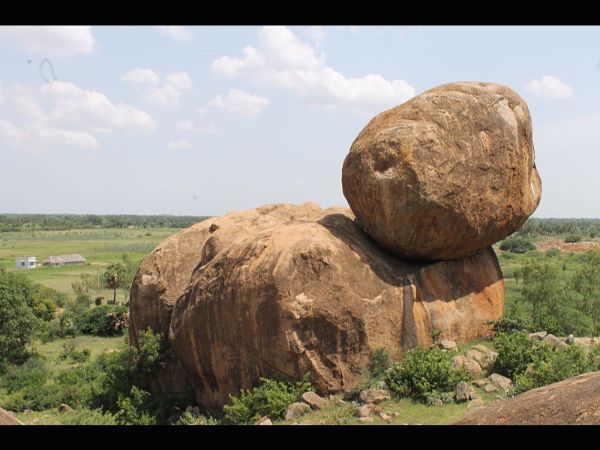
{"x": 55, "y": 222}
{"x": 554, "y": 227}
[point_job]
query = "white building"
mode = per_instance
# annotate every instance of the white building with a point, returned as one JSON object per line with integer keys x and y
{"x": 26, "y": 262}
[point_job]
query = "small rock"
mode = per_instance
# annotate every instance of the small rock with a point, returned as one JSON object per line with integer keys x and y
{"x": 539, "y": 335}
{"x": 464, "y": 391}
{"x": 472, "y": 366}
{"x": 264, "y": 421}
{"x": 489, "y": 388}
{"x": 365, "y": 420}
{"x": 482, "y": 355}
{"x": 314, "y": 400}
{"x": 552, "y": 339}
{"x": 448, "y": 345}
{"x": 385, "y": 416}
{"x": 214, "y": 227}
{"x": 396, "y": 414}
{"x": 374, "y": 396}
{"x": 570, "y": 339}
{"x": 366, "y": 410}
{"x": 63, "y": 408}
{"x": 296, "y": 410}
{"x": 480, "y": 382}
{"x": 502, "y": 382}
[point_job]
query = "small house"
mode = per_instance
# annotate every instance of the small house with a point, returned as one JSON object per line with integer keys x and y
{"x": 26, "y": 262}
{"x": 65, "y": 260}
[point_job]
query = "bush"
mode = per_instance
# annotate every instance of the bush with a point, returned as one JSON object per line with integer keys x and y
{"x": 106, "y": 320}
{"x": 271, "y": 398}
{"x": 190, "y": 418}
{"x": 552, "y": 252}
{"x": 515, "y": 352}
{"x": 379, "y": 363}
{"x": 572, "y": 238}
{"x": 70, "y": 352}
{"x": 554, "y": 365}
{"x": 133, "y": 409}
{"x": 509, "y": 325}
{"x": 424, "y": 373}
{"x": 86, "y": 416}
{"x": 18, "y": 320}
{"x": 516, "y": 245}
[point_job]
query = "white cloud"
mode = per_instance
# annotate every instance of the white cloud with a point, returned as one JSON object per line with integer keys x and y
{"x": 141, "y": 76}
{"x": 167, "y": 94}
{"x": 240, "y": 102}
{"x": 177, "y": 33}
{"x": 61, "y": 113}
{"x": 549, "y": 86}
{"x": 317, "y": 33}
{"x": 60, "y": 41}
{"x": 179, "y": 145}
{"x": 285, "y": 61}
{"x": 188, "y": 125}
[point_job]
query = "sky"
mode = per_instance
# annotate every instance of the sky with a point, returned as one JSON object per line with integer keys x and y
{"x": 207, "y": 120}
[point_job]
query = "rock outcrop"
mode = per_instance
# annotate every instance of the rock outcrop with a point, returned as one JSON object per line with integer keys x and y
{"x": 286, "y": 289}
{"x": 8, "y": 418}
{"x": 445, "y": 174}
{"x": 574, "y": 401}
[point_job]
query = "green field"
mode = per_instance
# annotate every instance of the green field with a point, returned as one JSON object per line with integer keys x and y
{"x": 99, "y": 246}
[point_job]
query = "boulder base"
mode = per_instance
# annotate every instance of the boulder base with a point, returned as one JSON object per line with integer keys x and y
{"x": 286, "y": 290}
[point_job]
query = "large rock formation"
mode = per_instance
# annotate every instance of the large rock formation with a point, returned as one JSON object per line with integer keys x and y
{"x": 8, "y": 418}
{"x": 445, "y": 174}
{"x": 574, "y": 401}
{"x": 287, "y": 289}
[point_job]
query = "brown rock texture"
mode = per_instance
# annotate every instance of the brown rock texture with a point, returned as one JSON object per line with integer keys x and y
{"x": 445, "y": 174}
{"x": 574, "y": 401}
{"x": 7, "y": 418}
{"x": 285, "y": 290}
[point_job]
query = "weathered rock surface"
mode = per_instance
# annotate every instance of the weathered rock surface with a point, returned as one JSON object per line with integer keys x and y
{"x": 471, "y": 366}
{"x": 8, "y": 418}
{"x": 296, "y": 410}
{"x": 374, "y": 396}
{"x": 314, "y": 400}
{"x": 286, "y": 289}
{"x": 445, "y": 174}
{"x": 501, "y": 381}
{"x": 569, "y": 402}
{"x": 464, "y": 391}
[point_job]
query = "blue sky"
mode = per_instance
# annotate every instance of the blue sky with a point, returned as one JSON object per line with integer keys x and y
{"x": 205, "y": 120}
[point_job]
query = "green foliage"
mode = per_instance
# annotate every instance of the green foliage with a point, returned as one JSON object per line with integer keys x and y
{"x": 516, "y": 245}
{"x": 104, "y": 320}
{"x": 86, "y": 416}
{"x": 133, "y": 409}
{"x": 70, "y": 352}
{"x": 18, "y": 320}
{"x": 190, "y": 418}
{"x": 515, "y": 352}
{"x": 271, "y": 398}
{"x": 424, "y": 373}
{"x": 572, "y": 238}
{"x": 553, "y": 365}
{"x": 435, "y": 335}
{"x": 553, "y": 252}
{"x": 82, "y": 288}
{"x": 509, "y": 325}
{"x": 586, "y": 285}
{"x": 379, "y": 363}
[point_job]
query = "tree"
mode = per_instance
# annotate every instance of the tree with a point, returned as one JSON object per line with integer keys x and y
{"x": 18, "y": 321}
{"x": 586, "y": 282}
{"x": 82, "y": 288}
{"x": 114, "y": 276}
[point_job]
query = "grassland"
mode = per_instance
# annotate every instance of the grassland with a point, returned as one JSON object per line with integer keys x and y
{"x": 99, "y": 246}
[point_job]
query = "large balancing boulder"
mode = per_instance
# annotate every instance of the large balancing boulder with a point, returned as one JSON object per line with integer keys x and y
{"x": 286, "y": 290}
{"x": 445, "y": 174}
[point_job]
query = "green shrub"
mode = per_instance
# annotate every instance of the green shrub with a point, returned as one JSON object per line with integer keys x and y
{"x": 70, "y": 352}
{"x": 104, "y": 320}
{"x": 424, "y": 373}
{"x": 516, "y": 245}
{"x": 379, "y": 363}
{"x": 86, "y": 416}
{"x": 29, "y": 386}
{"x": 552, "y": 252}
{"x": 271, "y": 398}
{"x": 553, "y": 365}
{"x": 515, "y": 352}
{"x": 133, "y": 409}
{"x": 189, "y": 418}
{"x": 572, "y": 238}
{"x": 509, "y": 325}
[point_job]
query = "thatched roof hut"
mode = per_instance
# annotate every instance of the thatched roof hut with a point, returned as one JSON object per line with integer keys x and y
{"x": 65, "y": 260}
